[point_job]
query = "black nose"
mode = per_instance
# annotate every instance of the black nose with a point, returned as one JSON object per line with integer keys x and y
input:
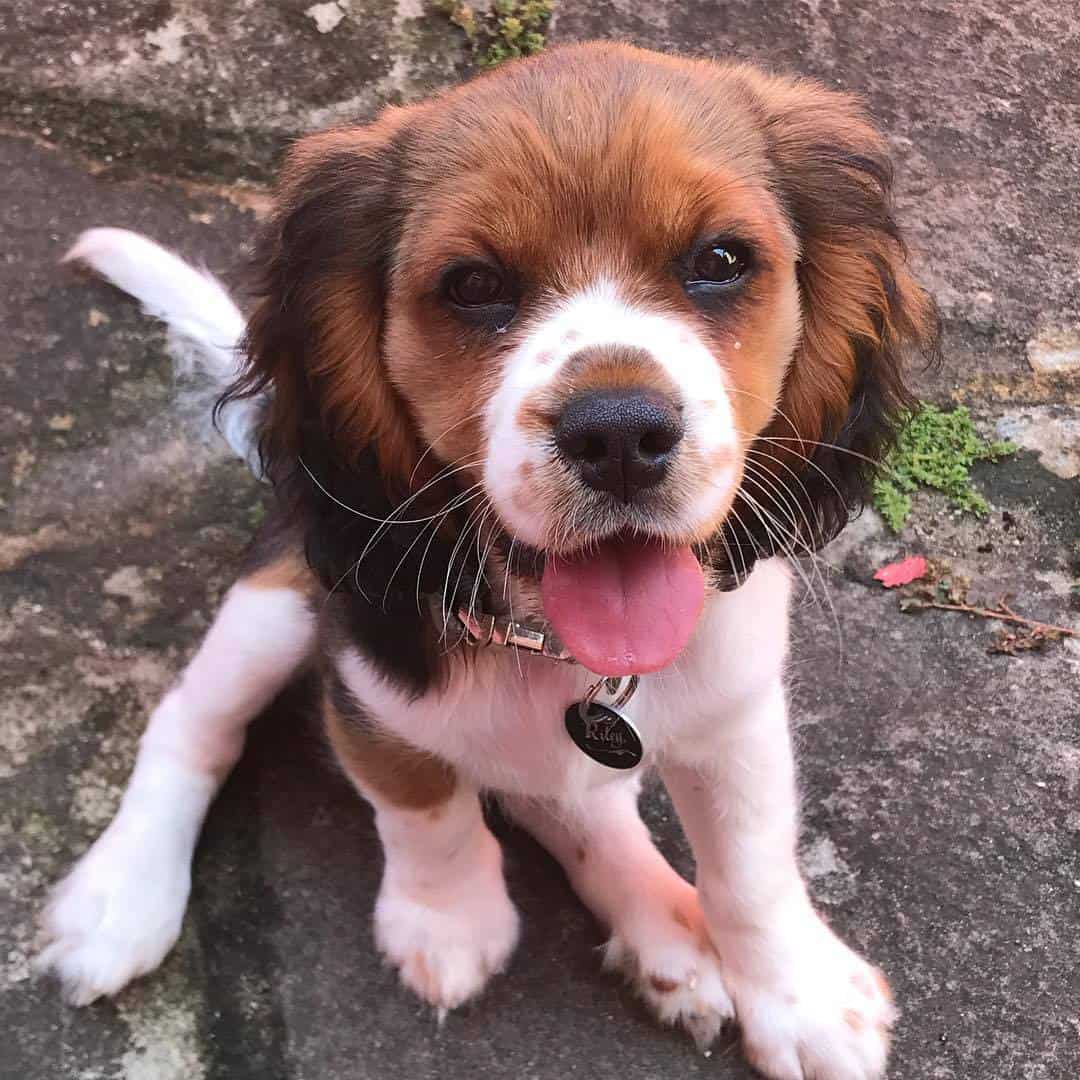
{"x": 619, "y": 440}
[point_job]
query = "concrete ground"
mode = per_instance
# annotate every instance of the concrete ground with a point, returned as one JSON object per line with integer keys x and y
{"x": 942, "y": 783}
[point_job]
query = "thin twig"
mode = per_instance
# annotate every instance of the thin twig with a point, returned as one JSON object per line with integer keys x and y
{"x": 989, "y": 613}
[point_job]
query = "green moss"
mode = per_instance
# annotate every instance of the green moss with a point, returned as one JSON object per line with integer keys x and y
{"x": 892, "y": 504}
{"x": 935, "y": 449}
{"x": 256, "y": 514}
{"x": 506, "y": 30}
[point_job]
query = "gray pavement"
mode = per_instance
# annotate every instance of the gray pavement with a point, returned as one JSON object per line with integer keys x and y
{"x": 942, "y": 783}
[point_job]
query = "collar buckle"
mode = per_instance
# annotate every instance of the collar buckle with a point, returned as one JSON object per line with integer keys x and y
{"x": 482, "y": 630}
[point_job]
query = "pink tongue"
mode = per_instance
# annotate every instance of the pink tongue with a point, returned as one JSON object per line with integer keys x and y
{"x": 626, "y": 609}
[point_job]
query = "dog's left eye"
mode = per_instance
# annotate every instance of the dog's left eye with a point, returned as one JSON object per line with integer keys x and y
{"x": 719, "y": 263}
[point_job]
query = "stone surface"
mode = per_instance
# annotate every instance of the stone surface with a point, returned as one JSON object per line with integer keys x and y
{"x": 206, "y": 87}
{"x": 942, "y": 783}
{"x": 1055, "y": 351}
{"x": 1051, "y": 431}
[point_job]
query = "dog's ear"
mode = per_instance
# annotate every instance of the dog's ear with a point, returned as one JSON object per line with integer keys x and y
{"x": 337, "y": 441}
{"x": 863, "y": 314}
{"x": 319, "y": 269}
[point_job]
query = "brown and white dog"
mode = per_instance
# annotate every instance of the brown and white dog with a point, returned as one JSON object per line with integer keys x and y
{"x": 593, "y": 341}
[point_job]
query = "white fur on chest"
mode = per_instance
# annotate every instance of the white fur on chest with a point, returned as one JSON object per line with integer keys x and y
{"x": 500, "y": 718}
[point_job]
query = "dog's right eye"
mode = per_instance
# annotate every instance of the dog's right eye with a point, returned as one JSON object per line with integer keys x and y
{"x": 476, "y": 286}
{"x": 481, "y": 294}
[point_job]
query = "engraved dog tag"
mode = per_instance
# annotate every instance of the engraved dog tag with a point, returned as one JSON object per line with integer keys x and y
{"x": 604, "y": 734}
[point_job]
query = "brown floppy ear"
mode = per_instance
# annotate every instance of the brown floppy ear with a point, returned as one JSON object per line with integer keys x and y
{"x": 863, "y": 314}
{"x": 313, "y": 341}
{"x": 337, "y": 441}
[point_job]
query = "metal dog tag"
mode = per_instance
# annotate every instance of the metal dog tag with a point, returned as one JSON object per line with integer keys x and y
{"x": 602, "y": 732}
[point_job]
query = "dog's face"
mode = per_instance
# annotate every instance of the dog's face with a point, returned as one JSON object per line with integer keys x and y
{"x": 594, "y": 307}
{"x": 627, "y": 301}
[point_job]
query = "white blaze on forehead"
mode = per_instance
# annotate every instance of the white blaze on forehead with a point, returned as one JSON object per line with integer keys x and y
{"x": 597, "y": 317}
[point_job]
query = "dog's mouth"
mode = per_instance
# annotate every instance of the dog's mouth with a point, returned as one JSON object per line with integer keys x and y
{"x": 626, "y": 605}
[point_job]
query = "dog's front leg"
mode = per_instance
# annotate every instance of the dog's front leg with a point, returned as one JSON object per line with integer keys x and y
{"x": 443, "y": 916}
{"x": 658, "y": 934}
{"x": 808, "y": 1006}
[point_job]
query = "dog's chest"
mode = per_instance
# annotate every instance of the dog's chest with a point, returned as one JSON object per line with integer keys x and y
{"x": 500, "y": 718}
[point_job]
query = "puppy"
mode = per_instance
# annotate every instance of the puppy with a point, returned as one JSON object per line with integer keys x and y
{"x": 549, "y": 373}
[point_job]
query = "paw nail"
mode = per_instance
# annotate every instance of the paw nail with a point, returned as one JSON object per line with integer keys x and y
{"x": 854, "y": 1020}
{"x": 882, "y": 985}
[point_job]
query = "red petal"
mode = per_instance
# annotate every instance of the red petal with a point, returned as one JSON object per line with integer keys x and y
{"x": 902, "y": 573}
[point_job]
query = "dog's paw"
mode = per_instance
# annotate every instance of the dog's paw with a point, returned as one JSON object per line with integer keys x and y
{"x": 670, "y": 961}
{"x": 447, "y": 952}
{"x": 809, "y": 1007}
{"x": 115, "y": 916}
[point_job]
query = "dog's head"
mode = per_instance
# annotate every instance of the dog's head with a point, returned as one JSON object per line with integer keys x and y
{"x": 641, "y": 315}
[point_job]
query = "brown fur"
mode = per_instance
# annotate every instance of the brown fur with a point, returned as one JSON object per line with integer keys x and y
{"x": 526, "y": 155}
{"x": 589, "y": 162}
{"x": 386, "y": 766}
{"x": 611, "y": 368}
{"x": 597, "y": 160}
{"x": 316, "y": 334}
{"x": 287, "y": 571}
{"x": 857, "y": 292}
{"x": 358, "y": 402}
{"x": 598, "y": 368}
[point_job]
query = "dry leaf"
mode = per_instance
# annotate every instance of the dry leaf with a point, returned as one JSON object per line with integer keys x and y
{"x": 1024, "y": 639}
{"x": 903, "y": 572}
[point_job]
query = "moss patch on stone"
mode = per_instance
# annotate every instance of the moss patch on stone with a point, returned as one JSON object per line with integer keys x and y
{"x": 506, "y": 30}
{"x": 936, "y": 449}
